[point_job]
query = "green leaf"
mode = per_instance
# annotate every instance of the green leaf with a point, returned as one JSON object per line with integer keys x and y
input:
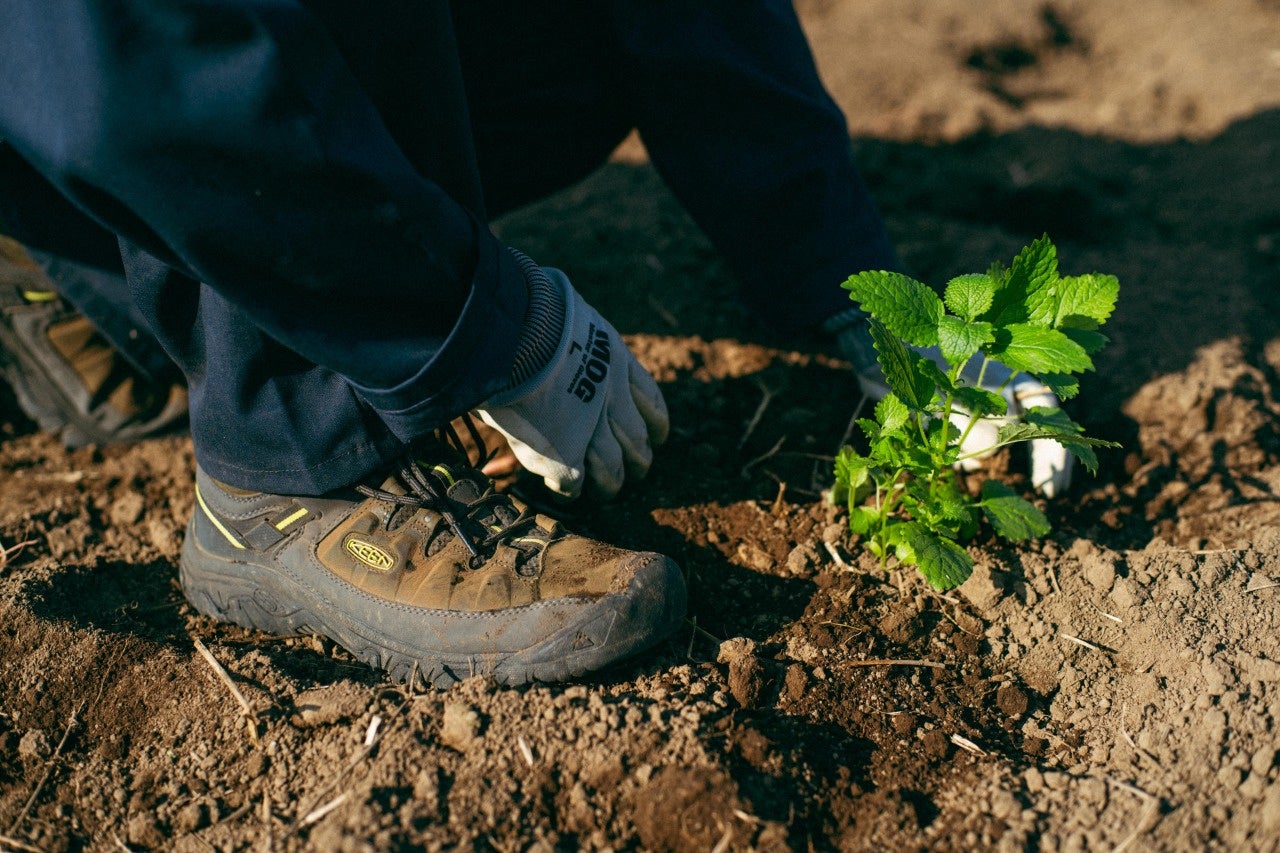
{"x": 1012, "y": 517}
{"x": 959, "y": 339}
{"x": 999, "y": 274}
{"x": 1089, "y": 340}
{"x": 943, "y": 563}
{"x": 1082, "y": 302}
{"x": 959, "y": 507}
{"x": 908, "y": 308}
{"x": 936, "y": 429}
{"x": 952, "y": 504}
{"x": 1036, "y": 350}
{"x": 851, "y": 469}
{"x": 970, "y": 295}
{"x": 980, "y": 401}
{"x": 1015, "y": 432}
{"x": 863, "y": 520}
{"x": 870, "y": 429}
{"x": 933, "y": 374}
{"x": 1035, "y": 267}
{"x": 1080, "y": 446}
{"x": 891, "y": 412}
{"x": 1064, "y": 387}
{"x": 899, "y": 366}
{"x": 1087, "y": 300}
{"x": 1052, "y": 418}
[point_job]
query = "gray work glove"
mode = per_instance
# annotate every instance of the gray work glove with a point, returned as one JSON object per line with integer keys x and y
{"x": 590, "y": 413}
{"x": 1050, "y": 462}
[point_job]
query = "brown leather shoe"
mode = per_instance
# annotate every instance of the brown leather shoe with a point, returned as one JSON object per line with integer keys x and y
{"x": 432, "y": 576}
{"x": 66, "y": 376}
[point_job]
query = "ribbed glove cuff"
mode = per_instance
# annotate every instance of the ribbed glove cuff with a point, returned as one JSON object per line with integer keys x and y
{"x": 543, "y": 323}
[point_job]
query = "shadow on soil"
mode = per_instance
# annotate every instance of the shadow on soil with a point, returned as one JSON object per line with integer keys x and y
{"x": 1110, "y": 205}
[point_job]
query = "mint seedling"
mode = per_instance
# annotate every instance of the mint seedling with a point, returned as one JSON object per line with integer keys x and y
{"x": 904, "y": 496}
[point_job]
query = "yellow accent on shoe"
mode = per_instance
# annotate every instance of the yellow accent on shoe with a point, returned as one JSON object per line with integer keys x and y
{"x": 214, "y": 519}
{"x": 444, "y": 473}
{"x": 39, "y": 295}
{"x": 291, "y": 518}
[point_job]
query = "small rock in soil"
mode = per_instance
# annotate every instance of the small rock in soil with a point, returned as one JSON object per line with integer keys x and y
{"x": 1262, "y": 760}
{"x": 257, "y": 764}
{"x": 1012, "y": 700}
{"x": 34, "y": 744}
{"x": 802, "y": 560}
{"x": 904, "y": 723}
{"x": 191, "y": 817}
{"x": 1099, "y": 570}
{"x": 1253, "y": 787}
{"x": 460, "y": 727}
{"x": 1126, "y": 593}
{"x": 1269, "y": 815}
{"x": 981, "y": 588}
{"x": 687, "y": 809}
{"x": 127, "y": 509}
{"x": 164, "y": 535}
{"x": 426, "y": 789}
{"x": 935, "y": 744}
{"x": 755, "y": 557}
{"x": 144, "y": 832}
{"x": 746, "y": 675}
{"x": 796, "y": 683}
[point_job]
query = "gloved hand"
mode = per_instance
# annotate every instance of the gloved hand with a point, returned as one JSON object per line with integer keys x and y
{"x": 592, "y": 413}
{"x": 1050, "y": 462}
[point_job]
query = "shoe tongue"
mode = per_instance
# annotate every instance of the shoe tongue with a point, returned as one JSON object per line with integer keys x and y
{"x": 464, "y": 490}
{"x": 464, "y": 483}
{"x": 468, "y": 486}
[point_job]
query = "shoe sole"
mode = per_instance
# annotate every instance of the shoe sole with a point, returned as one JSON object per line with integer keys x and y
{"x": 605, "y": 631}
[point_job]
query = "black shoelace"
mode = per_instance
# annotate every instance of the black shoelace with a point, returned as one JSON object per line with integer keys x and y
{"x": 429, "y": 489}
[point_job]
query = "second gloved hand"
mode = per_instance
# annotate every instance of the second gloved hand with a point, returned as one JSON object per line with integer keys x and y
{"x": 1050, "y": 463}
{"x": 592, "y": 413}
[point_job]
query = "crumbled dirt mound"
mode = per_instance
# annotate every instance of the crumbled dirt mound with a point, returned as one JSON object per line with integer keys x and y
{"x": 1114, "y": 686}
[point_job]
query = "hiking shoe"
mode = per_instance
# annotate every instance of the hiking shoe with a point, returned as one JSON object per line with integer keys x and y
{"x": 65, "y": 375}
{"x": 433, "y": 576}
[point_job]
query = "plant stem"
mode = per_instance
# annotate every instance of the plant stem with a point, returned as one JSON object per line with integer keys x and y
{"x": 885, "y": 509}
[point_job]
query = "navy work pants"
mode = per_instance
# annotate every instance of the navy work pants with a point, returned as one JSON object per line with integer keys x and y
{"x": 299, "y": 191}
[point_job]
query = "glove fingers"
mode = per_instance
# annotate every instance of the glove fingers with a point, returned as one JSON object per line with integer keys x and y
{"x": 605, "y": 466}
{"x": 1050, "y": 462}
{"x": 650, "y": 403}
{"x": 626, "y": 424}
{"x": 637, "y": 454}
{"x": 1051, "y": 465}
{"x": 982, "y": 437}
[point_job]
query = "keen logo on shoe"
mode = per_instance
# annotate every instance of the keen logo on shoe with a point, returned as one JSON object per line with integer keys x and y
{"x": 371, "y": 555}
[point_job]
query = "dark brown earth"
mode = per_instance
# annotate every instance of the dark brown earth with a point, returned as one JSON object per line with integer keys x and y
{"x": 1114, "y": 686}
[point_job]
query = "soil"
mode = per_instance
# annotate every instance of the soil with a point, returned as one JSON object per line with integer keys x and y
{"x": 1113, "y": 686}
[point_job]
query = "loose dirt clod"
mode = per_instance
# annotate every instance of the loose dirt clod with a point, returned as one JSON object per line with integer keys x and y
{"x": 460, "y": 726}
{"x": 746, "y": 675}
